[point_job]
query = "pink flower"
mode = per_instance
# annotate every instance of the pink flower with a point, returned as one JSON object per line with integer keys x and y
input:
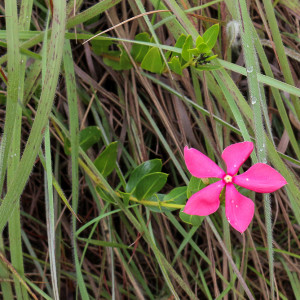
{"x": 238, "y": 208}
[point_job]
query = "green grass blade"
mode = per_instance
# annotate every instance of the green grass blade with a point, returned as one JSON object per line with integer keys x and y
{"x": 13, "y": 67}
{"x": 41, "y": 119}
{"x": 74, "y": 133}
{"x": 256, "y": 98}
{"x": 13, "y": 160}
{"x": 279, "y": 48}
{"x": 5, "y": 285}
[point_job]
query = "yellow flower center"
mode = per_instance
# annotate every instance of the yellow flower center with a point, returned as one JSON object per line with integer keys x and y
{"x": 228, "y": 178}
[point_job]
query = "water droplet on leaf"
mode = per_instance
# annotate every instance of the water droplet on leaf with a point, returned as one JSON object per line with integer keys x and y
{"x": 250, "y": 69}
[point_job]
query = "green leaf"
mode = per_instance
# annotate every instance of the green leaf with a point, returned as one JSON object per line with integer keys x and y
{"x": 195, "y": 185}
{"x": 188, "y": 44}
{"x": 193, "y": 220}
{"x": 199, "y": 40}
{"x": 176, "y": 196}
{"x": 121, "y": 61}
{"x": 101, "y": 46}
{"x": 106, "y": 161}
{"x": 125, "y": 63}
{"x": 104, "y": 195}
{"x": 179, "y": 44}
{"x": 203, "y": 48}
{"x": 125, "y": 197}
{"x": 143, "y": 169}
{"x": 150, "y": 184}
{"x": 180, "y": 41}
{"x": 175, "y": 65}
{"x": 211, "y": 57}
{"x": 194, "y": 51}
{"x": 210, "y": 35}
{"x": 153, "y": 61}
{"x": 89, "y": 136}
{"x": 138, "y": 51}
{"x": 209, "y": 68}
{"x": 113, "y": 63}
{"x": 156, "y": 198}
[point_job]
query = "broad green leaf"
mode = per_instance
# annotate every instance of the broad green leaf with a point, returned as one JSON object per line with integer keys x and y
{"x": 153, "y": 61}
{"x": 119, "y": 59}
{"x": 199, "y": 40}
{"x": 180, "y": 41}
{"x": 194, "y": 51}
{"x": 193, "y": 220}
{"x": 179, "y": 44}
{"x": 195, "y": 185}
{"x": 106, "y": 161}
{"x": 150, "y": 184}
{"x": 101, "y": 46}
{"x": 89, "y": 136}
{"x": 176, "y": 196}
{"x": 203, "y": 48}
{"x": 143, "y": 169}
{"x": 138, "y": 51}
{"x": 156, "y": 198}
{"x": 125, "y": 63}
{"x": 114, "y": 61}
{"x": 210, "y": 35}
{"x": 175, "y": 65}
{"x": 188, "y": 44}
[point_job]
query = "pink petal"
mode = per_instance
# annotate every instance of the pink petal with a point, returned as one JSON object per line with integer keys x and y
{"x": 260, "y": 178}
{"x": 238, "y": 208}
{"x": 235, "y": 155}
{"x": 206, "y": 201}
{"x": 200, "y": 165}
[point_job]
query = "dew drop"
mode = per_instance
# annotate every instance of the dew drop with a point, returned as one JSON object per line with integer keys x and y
{"x": 253, "y": 100}
{"x": 250, "y": 69}
{"x": 232, "y": 201}
{"x": 234, "y": 166}
{"x": 236, "y": 206}
{"x": 247, "y": 179}
{"x": 228, "y": 220}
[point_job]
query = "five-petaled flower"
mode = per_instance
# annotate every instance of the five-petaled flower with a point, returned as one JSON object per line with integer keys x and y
{"x": 239, "y": 209}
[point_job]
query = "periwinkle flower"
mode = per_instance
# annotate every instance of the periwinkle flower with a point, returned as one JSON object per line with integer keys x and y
{"x": 239, "y": 209}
